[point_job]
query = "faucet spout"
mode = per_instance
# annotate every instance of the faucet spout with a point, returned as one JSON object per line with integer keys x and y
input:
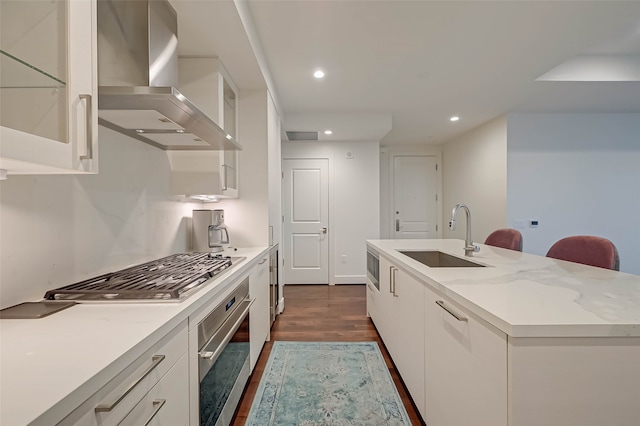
{"x": 469, "y": 247}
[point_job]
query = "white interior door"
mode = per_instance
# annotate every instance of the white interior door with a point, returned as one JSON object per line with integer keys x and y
{"x": 306, "y": 220}
{"x": 414, "y": 197}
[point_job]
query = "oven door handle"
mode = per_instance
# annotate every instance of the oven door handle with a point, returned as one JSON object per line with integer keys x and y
{"x": 212, "y": 356}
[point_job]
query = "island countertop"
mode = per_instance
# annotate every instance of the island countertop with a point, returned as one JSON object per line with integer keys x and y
{"x": 526, "y": 295}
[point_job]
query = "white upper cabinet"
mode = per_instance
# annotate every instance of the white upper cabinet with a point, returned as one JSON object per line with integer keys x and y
{"x": 48, "y": 86}
{"x": 207, "y": 84}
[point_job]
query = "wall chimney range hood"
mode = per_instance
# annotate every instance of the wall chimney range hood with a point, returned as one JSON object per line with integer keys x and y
{"x": 138, "y": 75}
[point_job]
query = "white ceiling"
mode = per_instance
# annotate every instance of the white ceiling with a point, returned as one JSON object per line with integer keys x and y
{"x": 417, "y": 62}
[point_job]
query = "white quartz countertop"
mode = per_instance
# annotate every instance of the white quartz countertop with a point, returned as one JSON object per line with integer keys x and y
{"x": 51, "y": 365}
{"x": 525, "y": 295}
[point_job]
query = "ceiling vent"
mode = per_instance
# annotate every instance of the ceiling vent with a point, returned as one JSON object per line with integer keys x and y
{"x": 302, "y": 136}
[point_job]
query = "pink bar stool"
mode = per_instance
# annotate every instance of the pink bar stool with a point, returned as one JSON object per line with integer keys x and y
{"x": 588, "y": 250}
{"x": 506, "y": 238}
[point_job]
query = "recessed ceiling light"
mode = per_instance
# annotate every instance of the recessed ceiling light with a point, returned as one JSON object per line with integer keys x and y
{"x": 454, "y": 118}
{"x": 328, "y": 132}
{"x": 318, "y": 74}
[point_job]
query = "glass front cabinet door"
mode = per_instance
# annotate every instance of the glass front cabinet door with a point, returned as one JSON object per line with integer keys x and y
{"x": 48, "y": 87}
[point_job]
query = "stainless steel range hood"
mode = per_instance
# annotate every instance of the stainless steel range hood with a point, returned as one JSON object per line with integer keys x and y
{"x": 138, "y": 75}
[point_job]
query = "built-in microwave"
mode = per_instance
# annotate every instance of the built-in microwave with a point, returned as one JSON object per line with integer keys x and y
{"x": 373, "y": 268}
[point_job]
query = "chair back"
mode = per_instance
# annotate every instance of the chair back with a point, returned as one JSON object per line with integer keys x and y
{"x": 506, "y": 238}
{"x": 588, "y": 250}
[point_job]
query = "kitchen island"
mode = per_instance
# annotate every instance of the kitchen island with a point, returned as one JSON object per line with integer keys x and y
{"x": 51, "y": 367}
{"x": 519, "y": 340}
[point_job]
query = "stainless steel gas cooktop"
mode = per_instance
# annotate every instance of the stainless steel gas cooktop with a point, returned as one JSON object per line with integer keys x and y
{"x": 172, "y": 278}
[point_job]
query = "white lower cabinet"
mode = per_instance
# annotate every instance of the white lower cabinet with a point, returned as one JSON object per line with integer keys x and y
{"x": 259, "y": 315}
{"x": 167, "y": 404}
{"x": 399, "y": 318}
{"x": 372, "y": 296}
{"x": 465, "y": 362}
{"x": 160, "y": 374}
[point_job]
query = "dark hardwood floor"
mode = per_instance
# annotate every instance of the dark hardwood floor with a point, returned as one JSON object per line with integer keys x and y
{"x": 322, "y": 313}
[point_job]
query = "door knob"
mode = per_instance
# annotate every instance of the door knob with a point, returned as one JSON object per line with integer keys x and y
{"x": 323, "y": 229}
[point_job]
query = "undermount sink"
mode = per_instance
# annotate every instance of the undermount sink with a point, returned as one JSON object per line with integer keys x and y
{"x": 438, "y": 259}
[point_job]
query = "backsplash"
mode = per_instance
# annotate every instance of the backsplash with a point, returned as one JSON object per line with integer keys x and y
{"x": 58, "y": 229}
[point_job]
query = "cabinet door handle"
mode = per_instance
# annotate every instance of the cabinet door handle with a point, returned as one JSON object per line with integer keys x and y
{"x": 224, "y": 177}
{"x": 390, "y": 279}
{"x": 397, "y": 224}
{"x": 102, "y": 408}
{"x": 89, "y": 129}
{"x": 158, "y": 403}
{"x": 456, "y": 316}
{"x": 262, "y": 261}
{"x": 394, "y": 282}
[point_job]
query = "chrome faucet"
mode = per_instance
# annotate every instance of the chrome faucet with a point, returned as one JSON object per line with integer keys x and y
{"x": 469, "y": 247}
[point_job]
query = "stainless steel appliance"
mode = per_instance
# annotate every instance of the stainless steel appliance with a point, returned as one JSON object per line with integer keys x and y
{"x": 138, "y": 76}
{"x": 172, "y": 278}
{"x": 223, "y": 357}
{"x": 210, "y": 234}
{"x": 373, "y": 268}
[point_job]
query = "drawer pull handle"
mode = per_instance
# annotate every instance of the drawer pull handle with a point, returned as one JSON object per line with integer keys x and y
{"x": 158, "y": 403}
{"x": 105, "y": 408}
{"x": 458, "y": 317}
{"x": 262, "y": 261}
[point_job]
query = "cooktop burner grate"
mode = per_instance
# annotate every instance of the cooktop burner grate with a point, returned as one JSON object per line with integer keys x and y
{"x": 169, "y": 278}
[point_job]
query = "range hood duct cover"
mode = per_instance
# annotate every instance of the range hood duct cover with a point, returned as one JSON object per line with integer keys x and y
{"x": 138, "y": 75}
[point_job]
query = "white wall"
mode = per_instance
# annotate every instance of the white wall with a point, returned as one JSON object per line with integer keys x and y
{"x": 354, "y": 213}
{"x": 576, "y": 174}
{"x": 56, "y": 230}
{"x": 475, "y": 173}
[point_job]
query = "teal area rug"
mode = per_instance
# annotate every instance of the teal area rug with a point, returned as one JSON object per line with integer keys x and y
{"x": 326, "y": 383}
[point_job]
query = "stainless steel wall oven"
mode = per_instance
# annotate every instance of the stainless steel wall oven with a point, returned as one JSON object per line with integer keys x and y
{"x": 223, "y": 357}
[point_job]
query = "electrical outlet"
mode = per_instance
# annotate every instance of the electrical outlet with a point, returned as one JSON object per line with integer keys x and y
{"x": 533, "y": 223}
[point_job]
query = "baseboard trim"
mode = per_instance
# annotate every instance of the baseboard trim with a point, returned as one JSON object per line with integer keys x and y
{"x": 350, "y": 279}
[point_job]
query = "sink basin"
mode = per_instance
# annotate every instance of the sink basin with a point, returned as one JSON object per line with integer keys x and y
{"x": 438, "y": 259}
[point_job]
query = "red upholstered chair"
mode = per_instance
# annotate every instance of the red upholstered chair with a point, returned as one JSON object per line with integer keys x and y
{"x": 588, "y": 250}
{"x": 506, "y": 238}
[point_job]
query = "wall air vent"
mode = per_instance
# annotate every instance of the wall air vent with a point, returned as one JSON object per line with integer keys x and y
{"x": 302, "y": 136}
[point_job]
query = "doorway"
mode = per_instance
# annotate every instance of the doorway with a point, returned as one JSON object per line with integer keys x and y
{"x": 306, "y": 221}
{"x": 414, "y": 197}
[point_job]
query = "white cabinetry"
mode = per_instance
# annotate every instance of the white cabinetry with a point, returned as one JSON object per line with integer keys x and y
{"x": 465, "y": 367}
{"x": 275, "y": 173}
{"x": 155, "y": 386}
{"x": 48, "y": 87}
{"x": 399, "y": 318}
{"x": 373, "y": 294}
{"x": 206, "y": 82}
{"x": 259, "y": 318}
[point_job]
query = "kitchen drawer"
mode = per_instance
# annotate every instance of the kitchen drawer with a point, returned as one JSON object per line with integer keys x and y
{"x": 372, "y": 294}
{"x": 111, "y": 404}
{"x": 167, "y": 404}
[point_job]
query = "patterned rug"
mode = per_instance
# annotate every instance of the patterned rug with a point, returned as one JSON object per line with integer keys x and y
{"x": 323, "y": 383}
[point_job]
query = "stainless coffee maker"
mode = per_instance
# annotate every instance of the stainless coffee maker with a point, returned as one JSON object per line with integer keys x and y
{"x": 210, "y": 234}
